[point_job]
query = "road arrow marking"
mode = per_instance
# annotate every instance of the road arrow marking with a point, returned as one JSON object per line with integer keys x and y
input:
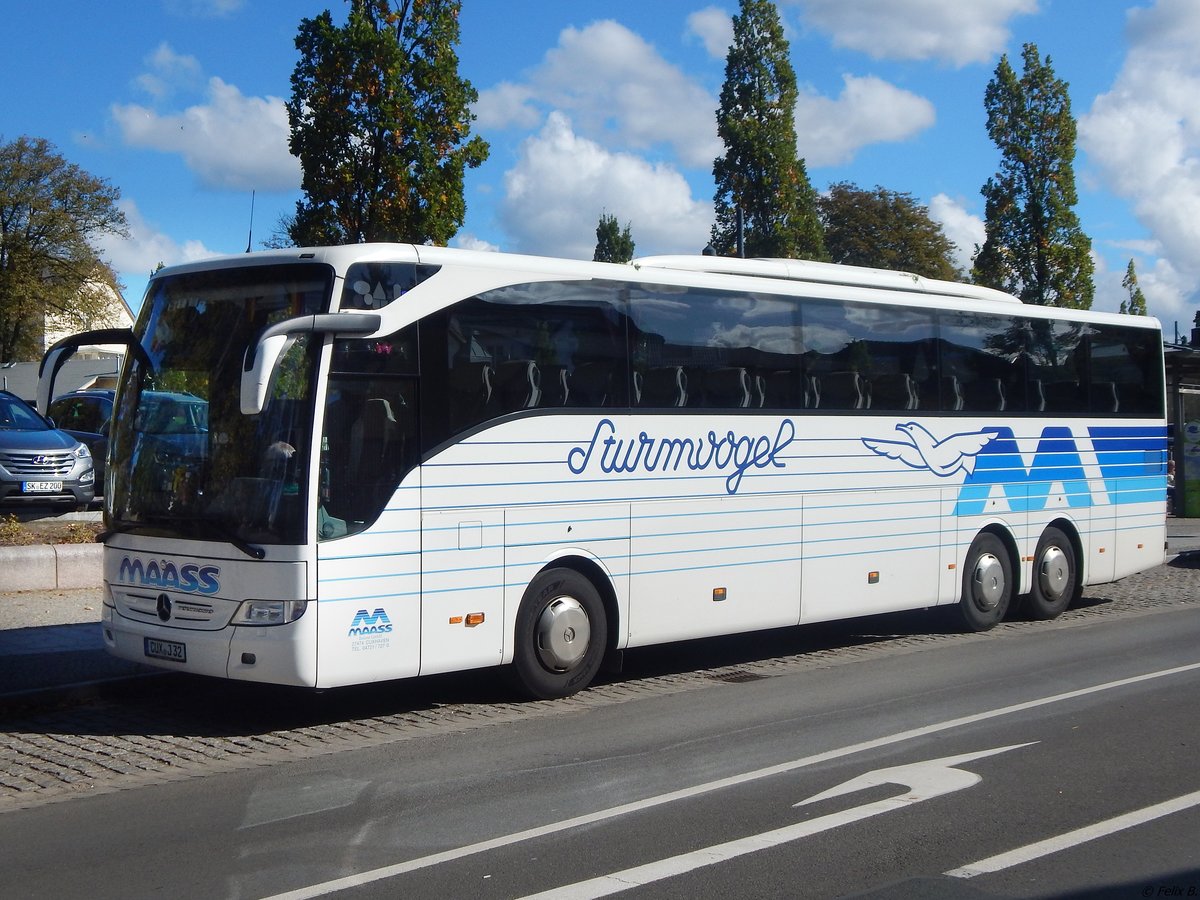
{"x": 923, "y": 781}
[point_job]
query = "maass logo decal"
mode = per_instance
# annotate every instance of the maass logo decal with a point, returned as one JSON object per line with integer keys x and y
{"x": 366, "y": 623}
{"x": 189, "y": 578}
{"x": 1117, "y": 465}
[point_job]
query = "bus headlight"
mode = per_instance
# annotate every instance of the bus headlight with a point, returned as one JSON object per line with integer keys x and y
{"x": 269, "y": 612}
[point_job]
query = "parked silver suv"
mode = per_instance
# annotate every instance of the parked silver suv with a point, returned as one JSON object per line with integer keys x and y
{"x": 38, "y": 463}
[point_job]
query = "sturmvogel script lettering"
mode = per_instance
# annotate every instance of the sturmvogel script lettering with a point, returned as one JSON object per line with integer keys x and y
{"x": 611, "y": 453}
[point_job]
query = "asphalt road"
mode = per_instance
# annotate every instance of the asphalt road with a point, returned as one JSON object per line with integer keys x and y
{"x": 1042, "y": 761}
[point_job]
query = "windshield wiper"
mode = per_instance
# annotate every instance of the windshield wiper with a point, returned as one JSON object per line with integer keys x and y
{"x": 252, "y": 550}
{"x": 225, "y": 532}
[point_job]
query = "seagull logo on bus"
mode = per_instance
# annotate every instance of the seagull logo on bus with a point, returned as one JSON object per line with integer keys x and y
{"x": 921, "y": 450}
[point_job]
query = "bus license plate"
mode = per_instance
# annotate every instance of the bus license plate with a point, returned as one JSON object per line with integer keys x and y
{"x": 41, "y": 487}
{"x": 172, "y": 650}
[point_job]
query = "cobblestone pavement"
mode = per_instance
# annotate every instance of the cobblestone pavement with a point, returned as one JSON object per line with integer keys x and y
{"x": 176, "y": 727}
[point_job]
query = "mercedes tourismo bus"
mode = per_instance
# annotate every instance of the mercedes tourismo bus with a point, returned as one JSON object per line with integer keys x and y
{"x": 420, "y": 460}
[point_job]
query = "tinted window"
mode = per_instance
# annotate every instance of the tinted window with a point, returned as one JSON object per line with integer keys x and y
{"x": 531, "y": 346}
{"x": 370, "y": 440}
{"x": 375, "y": 285}
{"x": 860, "y": 356}
{"x": 81, "y": 413}
{"x": 715, "y": 350}
{"x": 1057, "y": 366}
{"x": 984, "y": 361}
{"x": 1126, "y": 367}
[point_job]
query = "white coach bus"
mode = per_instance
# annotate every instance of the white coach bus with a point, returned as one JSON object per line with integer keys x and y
{"x": 423, "y": 460}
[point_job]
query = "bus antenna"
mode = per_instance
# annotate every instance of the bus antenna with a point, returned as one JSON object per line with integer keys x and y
{"x": 250, "y": 236}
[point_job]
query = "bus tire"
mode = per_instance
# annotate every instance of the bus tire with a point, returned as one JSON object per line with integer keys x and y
{"x": 1055, "y": 576}
{"x": 561, "y": 634}
{"x": 987, "y": 583}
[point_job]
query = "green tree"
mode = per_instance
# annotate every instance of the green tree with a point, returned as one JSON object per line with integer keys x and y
{"x": 51, "y": 214}
{"x": 885, "y": 230}
{"x": 1136, "y": 304}
{"x": 613, "y": 244}
{"x": 380, "y": 121}
{"x": 1035, "y": 247}
{"x": 760, "y": 174}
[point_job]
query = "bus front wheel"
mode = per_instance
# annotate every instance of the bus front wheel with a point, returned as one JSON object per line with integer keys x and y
{"x": 1055, "y": 576}
{"x": 560, "y": 637}
{"x": 987, "y": 583}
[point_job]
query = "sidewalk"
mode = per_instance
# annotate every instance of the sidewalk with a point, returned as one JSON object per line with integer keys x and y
{"x": 50, "y": 639}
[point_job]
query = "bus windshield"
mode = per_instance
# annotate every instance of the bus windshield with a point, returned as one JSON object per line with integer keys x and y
{"x": 185, "y": 461}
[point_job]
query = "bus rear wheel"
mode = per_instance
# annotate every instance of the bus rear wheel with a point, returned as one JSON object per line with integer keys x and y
{"x": 987, "y": 583}
{"x": 1055, "y": 576}
{"x": 561, "y": 634}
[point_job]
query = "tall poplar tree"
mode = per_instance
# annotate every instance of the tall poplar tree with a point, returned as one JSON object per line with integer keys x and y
{"x": 1035, "y": 247}
{"x": 1136, "y": 305}
{"x": 381, "y": 122}
{"x": 613, "y": 244}
{"x": 760, "y": 173}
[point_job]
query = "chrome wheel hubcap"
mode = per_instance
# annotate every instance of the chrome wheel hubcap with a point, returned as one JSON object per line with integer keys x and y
{"x": 1054, "y": 573}
{"x": 988, "y": 579}
{"x": 563, "y": 634}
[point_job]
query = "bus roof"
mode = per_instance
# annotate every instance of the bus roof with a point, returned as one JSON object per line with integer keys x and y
{"x": 824, "y": 273}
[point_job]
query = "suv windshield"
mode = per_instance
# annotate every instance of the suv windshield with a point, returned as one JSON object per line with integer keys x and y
{"x": 17, "y": 416}
{"x": 185, "y": 461}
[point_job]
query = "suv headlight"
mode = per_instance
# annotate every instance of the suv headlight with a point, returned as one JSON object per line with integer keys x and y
{"x": 269, "y": 612}
{"x": 82, "y": 452}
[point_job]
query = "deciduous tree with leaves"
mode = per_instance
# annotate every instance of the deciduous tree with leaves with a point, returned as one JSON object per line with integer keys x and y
{"x": 52, "y": 213}
{"x": 885, "y": 230}
{"x": 1035, "y": 247}
{"x": 613, "y": 244}
{"x": 381, "y": 123}
{"x": 760, "y": 173}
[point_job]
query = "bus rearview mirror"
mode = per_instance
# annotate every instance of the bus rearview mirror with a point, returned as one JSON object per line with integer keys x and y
{"x": 263, "y": 355}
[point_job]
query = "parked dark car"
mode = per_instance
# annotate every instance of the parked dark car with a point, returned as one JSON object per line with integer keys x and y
{"x": 85, "y": 415}
{"x": 178, "y": 421}
{"x": 40, "y": 464}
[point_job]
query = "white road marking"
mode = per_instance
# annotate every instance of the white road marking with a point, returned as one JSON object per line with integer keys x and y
{"x": 924, "y": 781}
{"x": 434, "y": 859}
{"x": 1077, "y": 837}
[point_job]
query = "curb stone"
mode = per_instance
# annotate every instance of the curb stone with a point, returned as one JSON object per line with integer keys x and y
{"x": 48, "y": 567}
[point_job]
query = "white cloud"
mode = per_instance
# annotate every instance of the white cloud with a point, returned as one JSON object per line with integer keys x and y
{"x": 139, "y": 254}
{"x": 506, "y": 105}
{"x": 955, "y": 31}
{"x": 868, "y": 111}
{"x": 964, "y": 229}
{"x": 232, "y": 142}
{"x": 466, "y": 241}
{"x": 713, "y": 26}
{"x": 617, "y": 89}
{"x": 563, "y": 182}
{"x": 1143, "y": 137}
{"x": 168, "y": 70}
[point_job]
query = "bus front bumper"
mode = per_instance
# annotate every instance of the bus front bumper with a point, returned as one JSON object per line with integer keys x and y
{"x": 282, "y": 654}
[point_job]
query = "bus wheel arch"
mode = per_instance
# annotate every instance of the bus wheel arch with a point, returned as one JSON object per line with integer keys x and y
{"x": 989, "y": 580}
{"x": 562, "y": 631}
{"x": 1057, "y": 577}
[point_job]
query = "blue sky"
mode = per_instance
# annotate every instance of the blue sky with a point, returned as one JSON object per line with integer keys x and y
{"x": 609, "y": 106}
